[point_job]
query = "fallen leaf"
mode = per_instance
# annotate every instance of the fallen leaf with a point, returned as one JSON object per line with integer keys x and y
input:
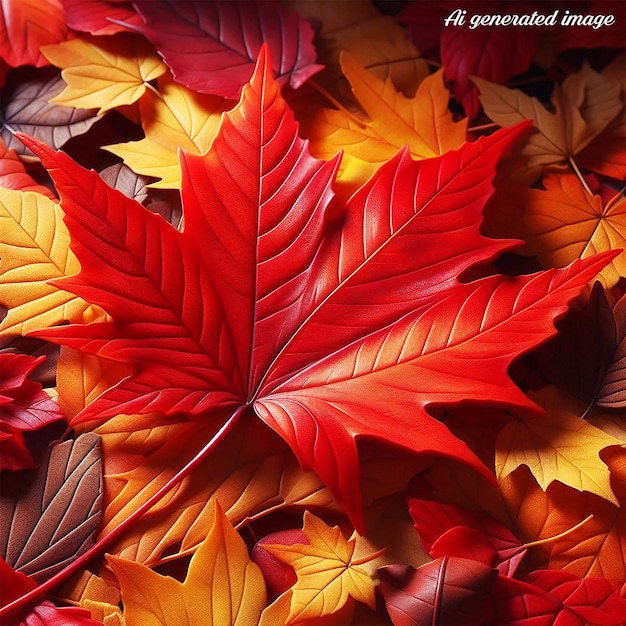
{"x": 177, "y": 118}
{"x": 189, "y": 328}
{"x": 491, "y": 53}
{"x": 13, "y": 174}
{"x": 120, "y": 176}
{"x": 423, "y": 123}
{"x": 251, "y": 474}
{"x": 25, "y": 26}
{"x": 24, "y": 406}
{"x": 612, "y": 392}
{"x": 559, "y": 446}
{"x": 48, "y": 521}
{"x": 212, "y": 46}
{"x": 100, "y": 17}
{"x": 584, "y": 105}
{"x": 327, "y": 574}
{"x": 26, "y": 108}
{"x": 34, "y": 247}
{"x": 435, "y": 593}
{"x": 222, "y": 585}
{"x": 564, "y": 222}
{"x": 344, "y": 26}
{"x": 104, "y": 73}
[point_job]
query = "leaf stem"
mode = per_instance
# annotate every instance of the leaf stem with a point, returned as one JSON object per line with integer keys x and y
{"x": 580, "y": 175}
{"x": 359, "y": 122}
{"x": 112, "y": 536}
{"x": 539, "y": 542}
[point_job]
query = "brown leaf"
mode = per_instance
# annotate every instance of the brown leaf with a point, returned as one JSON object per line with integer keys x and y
{"x": 612, "y": 392}
{"x": 45, "y": 523}
{"x": 26, "y": 108}
{"x": 121, "y": 177}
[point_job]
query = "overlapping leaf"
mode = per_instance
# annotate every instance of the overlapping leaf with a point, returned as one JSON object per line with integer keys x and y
{"x": 222, "y": 585}
{"x": 100, "y": 17}
{"x": 212, "y": 46}
{"x": 175, "y": 118}
{"x": 26, "y": 108}
{"x": 104, "y": 73}
{"x": 13, "y": 174}
{"x": 327, "y": 574}
{"x": 584, "y": 105}
{"x": 48, "y": 521}
{"x": 612, "y": 392}
{"x": 25, "y": 26}
{"x": 34, "y": 248}
{"x": 246, "y": 213}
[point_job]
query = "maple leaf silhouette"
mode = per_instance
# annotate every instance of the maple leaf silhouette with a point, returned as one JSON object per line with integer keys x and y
{"x": 327, "y": 330}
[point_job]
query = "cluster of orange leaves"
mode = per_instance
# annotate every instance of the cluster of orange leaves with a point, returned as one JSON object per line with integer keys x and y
{"x": 553, "y": 472}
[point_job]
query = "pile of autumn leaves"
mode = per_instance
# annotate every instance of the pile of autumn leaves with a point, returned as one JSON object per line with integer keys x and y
{"x": 535, "y": 538}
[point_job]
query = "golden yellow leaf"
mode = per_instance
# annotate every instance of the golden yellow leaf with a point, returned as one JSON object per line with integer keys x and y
{"x": 557, "y": 446}
{"x": 176, "y": 119}
{"x": 328, "y": 574}
{"x": 345, "y": 26}
{"x": 104, "y": 72}
{"x": 423, "y": 123}
{"x": 584, "y": 105}
{"x": 34, "y": 248}
{"x": 222, "y": 587}
{"x": 562, "y": 223}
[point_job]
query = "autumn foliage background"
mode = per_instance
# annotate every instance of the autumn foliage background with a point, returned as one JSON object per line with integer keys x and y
{"x": 317, "y": 318}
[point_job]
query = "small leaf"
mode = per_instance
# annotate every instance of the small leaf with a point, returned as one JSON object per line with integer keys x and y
{"x": 556, "y": 446}
{"x": 222, "y": 585}
{"x": 46, "y": 523}
{"x": 327, "y": 576}
{"x": 26, "y": 108}
{"x": 212, "y": 46}
{"x": 104, "y": 72}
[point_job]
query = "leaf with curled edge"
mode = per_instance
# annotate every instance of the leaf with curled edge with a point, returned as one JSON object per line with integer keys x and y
{"x": 261, "y": 305}
{"x": 25, "y": 26}
{"x": 438, "y": 592}
{"x": 34, "y": 248}
{"x": 49, "y": 520}
{"x": 211, "y": 46}
{"x": 26, "y": 108}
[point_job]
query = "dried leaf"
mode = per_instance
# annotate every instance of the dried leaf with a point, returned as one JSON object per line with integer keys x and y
{"x": 26, "y": 108}
{"x": 104, "y": 73}
{"x": 222, "y": 585}
{"x": 45, "y": 523}
{"x": 585, "y": 104}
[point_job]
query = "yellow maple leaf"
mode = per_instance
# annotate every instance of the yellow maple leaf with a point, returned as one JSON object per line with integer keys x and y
{"x": 34, "y": 248}
{"x": 584, "y": 105}
{"x": 558, "y": 445}
{"x": 423, "y": 123}
{"x": 328, "y": 574}
{"x": 223, "y": 586}
{"x": 175, "y": 118}
{"x": 562, "y": 223}
{"x": 104, "y": 72}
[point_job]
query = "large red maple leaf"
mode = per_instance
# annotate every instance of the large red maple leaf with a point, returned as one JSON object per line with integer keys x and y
{"x": 328, "y": 330}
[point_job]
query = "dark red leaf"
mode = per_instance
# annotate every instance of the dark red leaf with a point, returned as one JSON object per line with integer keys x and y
{"x": 212, "y": 46}
{"x": 588, "y": 36}
{"x": 96, "y": 16}
{"x": 436, "y": 593}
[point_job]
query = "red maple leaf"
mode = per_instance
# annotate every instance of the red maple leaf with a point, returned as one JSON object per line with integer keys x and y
{"x": 24, "y": 406}
{"x": 329, "y": 331}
